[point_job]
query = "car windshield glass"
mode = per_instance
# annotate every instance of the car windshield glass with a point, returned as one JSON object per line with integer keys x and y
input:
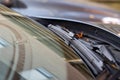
{"x": 32, "y": 52}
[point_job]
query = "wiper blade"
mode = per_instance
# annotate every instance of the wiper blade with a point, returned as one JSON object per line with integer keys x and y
{"x": 94, "y": 62}
{"x": 65, "y": 34}
{"x": 95, "y": 55}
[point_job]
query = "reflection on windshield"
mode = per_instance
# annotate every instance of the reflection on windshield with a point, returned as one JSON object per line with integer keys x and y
{"x": 35, "y": 51}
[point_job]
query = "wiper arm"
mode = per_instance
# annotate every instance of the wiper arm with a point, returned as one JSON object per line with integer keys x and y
{"x": 102, "y": 50}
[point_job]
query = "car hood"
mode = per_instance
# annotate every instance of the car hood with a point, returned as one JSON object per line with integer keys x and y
{"x": 64, "y": 9}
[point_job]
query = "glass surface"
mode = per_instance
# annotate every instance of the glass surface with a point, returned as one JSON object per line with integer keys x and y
{"x": 30, "y": 50}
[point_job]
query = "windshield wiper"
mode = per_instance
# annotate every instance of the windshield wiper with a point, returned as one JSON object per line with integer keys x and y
{"x": 96, "y": 56}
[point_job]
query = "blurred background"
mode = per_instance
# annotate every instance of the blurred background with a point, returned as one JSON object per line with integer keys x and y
{"x": 99, "y": 11}
{"x": 115, "y": 4}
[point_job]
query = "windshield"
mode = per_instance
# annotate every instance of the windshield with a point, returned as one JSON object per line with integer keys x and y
{"x": 29, "y": 51}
